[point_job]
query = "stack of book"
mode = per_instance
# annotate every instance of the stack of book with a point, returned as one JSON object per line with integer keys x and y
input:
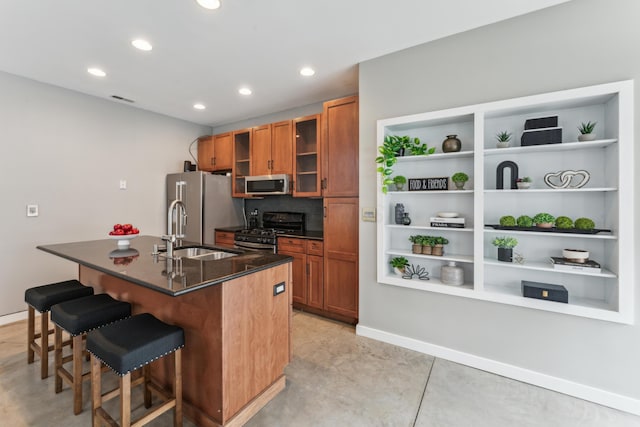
{"x": 560, "y": 263}
{"x": 437, "y": 221}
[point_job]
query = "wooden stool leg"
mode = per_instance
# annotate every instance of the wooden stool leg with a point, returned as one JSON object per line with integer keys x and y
{"x": 44, "y": 345}
{"x": 58, "y": 358}
{"x": 125, "y": 400}
{"x": 96, "y": 390}
{"x": 177, "y": 387}
{"x": 31, "y": 332}
{"x": 77, "y": 374}
{"x": 146, "y": 371}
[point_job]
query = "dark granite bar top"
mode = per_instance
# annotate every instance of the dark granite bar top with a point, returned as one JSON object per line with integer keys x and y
{"x": 173, "y": 277}
{"x": 307, "y": 234}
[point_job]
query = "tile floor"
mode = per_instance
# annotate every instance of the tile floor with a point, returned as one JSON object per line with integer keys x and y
{"x": 336, "y": 379}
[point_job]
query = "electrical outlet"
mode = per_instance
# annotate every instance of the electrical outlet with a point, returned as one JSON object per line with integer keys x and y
{"x": 123, "y": 184}
{"x": 32, "y": 210}
{"x": 369, "y": 214}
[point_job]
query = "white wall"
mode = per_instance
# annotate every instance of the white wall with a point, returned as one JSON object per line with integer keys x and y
{"x": 67, "y": 152}
{"x": 575, "y": 44}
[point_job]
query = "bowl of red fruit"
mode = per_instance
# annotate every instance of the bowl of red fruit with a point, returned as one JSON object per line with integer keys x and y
{"x": 123, "y": 233}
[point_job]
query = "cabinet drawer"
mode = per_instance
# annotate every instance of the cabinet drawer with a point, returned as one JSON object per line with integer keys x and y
{"x": 291, "y": 244}
{"x": 315, "y": 247}
{"x": 224, "y": 238}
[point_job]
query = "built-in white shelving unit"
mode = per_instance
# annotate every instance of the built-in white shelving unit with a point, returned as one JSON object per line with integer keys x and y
{"x": 607, "y": 198}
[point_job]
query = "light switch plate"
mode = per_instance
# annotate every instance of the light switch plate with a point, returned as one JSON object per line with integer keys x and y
{"x": 369, "y": 214}
{"x": 32, "y": 210}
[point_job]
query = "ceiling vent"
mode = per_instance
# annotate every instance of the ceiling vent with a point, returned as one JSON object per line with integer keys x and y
{"x": 120, "y": 98}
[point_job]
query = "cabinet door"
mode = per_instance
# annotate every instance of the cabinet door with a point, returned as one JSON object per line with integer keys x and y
{"x": 281, "y": 148}
{"x": 315, "y": 281}
{"x": 261, "y": 150}
{"x": 224, "y": 238}
{"x": 223, "y": 151}
{"x": 205, "y": 153}
{"x": 298, "y": 276}
{"x": 340, "y": 148}
{"x": 306, "y": 156}
{"x": 241, "y": 160}
{"x": 341, "y": 256}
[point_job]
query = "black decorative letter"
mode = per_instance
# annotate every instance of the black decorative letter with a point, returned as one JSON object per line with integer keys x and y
{"x": 500, "y": 174}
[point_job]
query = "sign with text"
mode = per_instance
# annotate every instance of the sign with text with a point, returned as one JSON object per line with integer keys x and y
{"x": 429, "y": 184}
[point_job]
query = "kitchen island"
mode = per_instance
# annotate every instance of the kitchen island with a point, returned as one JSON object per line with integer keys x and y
{"x": 235, "y": 313}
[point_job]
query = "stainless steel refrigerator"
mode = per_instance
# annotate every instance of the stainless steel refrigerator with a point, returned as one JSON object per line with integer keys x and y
{"x": 208, "y": 202}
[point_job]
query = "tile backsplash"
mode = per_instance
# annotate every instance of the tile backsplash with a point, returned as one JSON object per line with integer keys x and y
{"x": 311, "y": 207}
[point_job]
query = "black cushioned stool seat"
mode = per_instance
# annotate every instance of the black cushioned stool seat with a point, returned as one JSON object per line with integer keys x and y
{"x": 77, "y": 317}
{"x": 41, "y": 298}
{"x": 128, "y": 345}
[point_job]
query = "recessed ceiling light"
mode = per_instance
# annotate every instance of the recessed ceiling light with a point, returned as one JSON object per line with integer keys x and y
{"x": 307, "y": 71}
{"x": 199, "y": 106}
{"x": 96, "y": 72}
{"x": 244, "y": 91}
{"x": 141, "y": 44}
{"x": 209, "y": 4}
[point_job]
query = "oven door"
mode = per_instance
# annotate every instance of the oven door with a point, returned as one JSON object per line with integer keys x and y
{"x": 251, "y": 246}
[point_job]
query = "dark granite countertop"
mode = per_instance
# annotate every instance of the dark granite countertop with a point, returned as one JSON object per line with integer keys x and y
{"x": 138, "y": 265}
{"x": 307, "y": 234}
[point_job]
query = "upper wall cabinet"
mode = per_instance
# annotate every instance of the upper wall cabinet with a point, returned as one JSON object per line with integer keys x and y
{"x": 271, "y": 149}
{"x": 306, "y": 156}
{"x": 568, "y": 178}
{"x": 205, "y": 153}
{"x": 340, "y": 147}
{"x": 223, "y": 152}
{"x": 241, "y": 161}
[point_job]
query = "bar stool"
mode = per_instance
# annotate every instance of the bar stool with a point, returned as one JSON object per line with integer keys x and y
{"x": 77, "y": 317}
{"x": 126, "y": 346}
{"x": 41, "y": 298}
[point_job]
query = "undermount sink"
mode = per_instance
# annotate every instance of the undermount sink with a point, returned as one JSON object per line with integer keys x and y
{"x": 203, "y": 254}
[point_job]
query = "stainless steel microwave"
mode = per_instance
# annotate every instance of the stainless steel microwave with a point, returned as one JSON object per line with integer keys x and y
{"x": 267, "y": 184}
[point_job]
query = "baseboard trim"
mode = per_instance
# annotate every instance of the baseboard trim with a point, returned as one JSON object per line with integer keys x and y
{"x": 585, "y": 392}
{"x": 13, "y": 317}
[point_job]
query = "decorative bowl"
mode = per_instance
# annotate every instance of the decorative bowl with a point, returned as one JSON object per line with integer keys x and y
{"x": 447, "y": 214}
{"x": 123, "y": 240}
{"x": 575, "y": 255}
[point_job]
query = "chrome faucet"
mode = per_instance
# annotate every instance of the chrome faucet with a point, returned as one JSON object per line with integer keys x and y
{"x": 181, "y": 221}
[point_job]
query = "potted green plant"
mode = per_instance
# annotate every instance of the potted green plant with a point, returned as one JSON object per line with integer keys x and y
{"x": 504, "y": 139}
{"x": 585, "y": 224}
{"x": 427, "y": 245}
{"x": 524, "y": 221}
{"x": 392, "y": 147}
{"x": 505, "y": 245}
{"x": 507, "y": 221}
{"x": 399, "y": 263}
{"x": 438, "y": 247}
{"x": 416, "y": 244}
{"x": 523, "y": 183}
{"x": 564, "y": 222}
{"x": 586, "y": 131}
{"x": 544, "y": 220}
{"x": 459, "y": 179}
{"x": 399, "y": 181}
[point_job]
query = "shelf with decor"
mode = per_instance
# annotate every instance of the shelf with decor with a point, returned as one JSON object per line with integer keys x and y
{"x": 570, "y": 174}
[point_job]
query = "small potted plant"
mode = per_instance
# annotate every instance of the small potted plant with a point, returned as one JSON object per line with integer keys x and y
{"x": 585, "y": 224}
{"x": 427, "y": 245}
{"x": 505, "y": 245}
{"x": 416, "y": 244}
{"x": 438, "y": 245}
{"x": 523, "y": 183}
{"x": 399, "y": 263}
{"x": 504, "y": 139}
{"x": 399, "y": 181}
{"x": 544, "y": 220}
{"x": 524, "y": 221}
{"x": 459, "y": 178}
{"x": 564, "y": 222}
{"x": 586, "y": 131}
{"x": 507, "y": 221}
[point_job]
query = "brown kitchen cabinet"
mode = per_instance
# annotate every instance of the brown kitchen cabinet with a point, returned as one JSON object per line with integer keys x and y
{"x": 341, "y": 256}
{"x": 223, "y": 152}
{"x": 307, "y": 270}
{"x": 271, "y": 149}
{"x": 224, "y": 238}
{"x": 241, "y": 160}
{"x": 205, "y": 153}
{"x": 306, "y": 156}
{"x": 340, "y": 148}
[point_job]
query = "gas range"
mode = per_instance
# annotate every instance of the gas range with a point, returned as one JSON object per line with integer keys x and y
{"x": 274, "y": 223}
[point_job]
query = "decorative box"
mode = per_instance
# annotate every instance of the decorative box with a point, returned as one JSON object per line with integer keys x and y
{"x": 541, "y": 123}
{"x": 546, "y": 291}
{"x": 541, "y": 136}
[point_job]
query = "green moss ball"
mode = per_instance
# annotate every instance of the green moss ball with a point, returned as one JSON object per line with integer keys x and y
{"x": 508, "y": 221}
{"x": 585, "y": 224}
{"x": 564, "y": 222}
{"x": 525, "y": 221}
